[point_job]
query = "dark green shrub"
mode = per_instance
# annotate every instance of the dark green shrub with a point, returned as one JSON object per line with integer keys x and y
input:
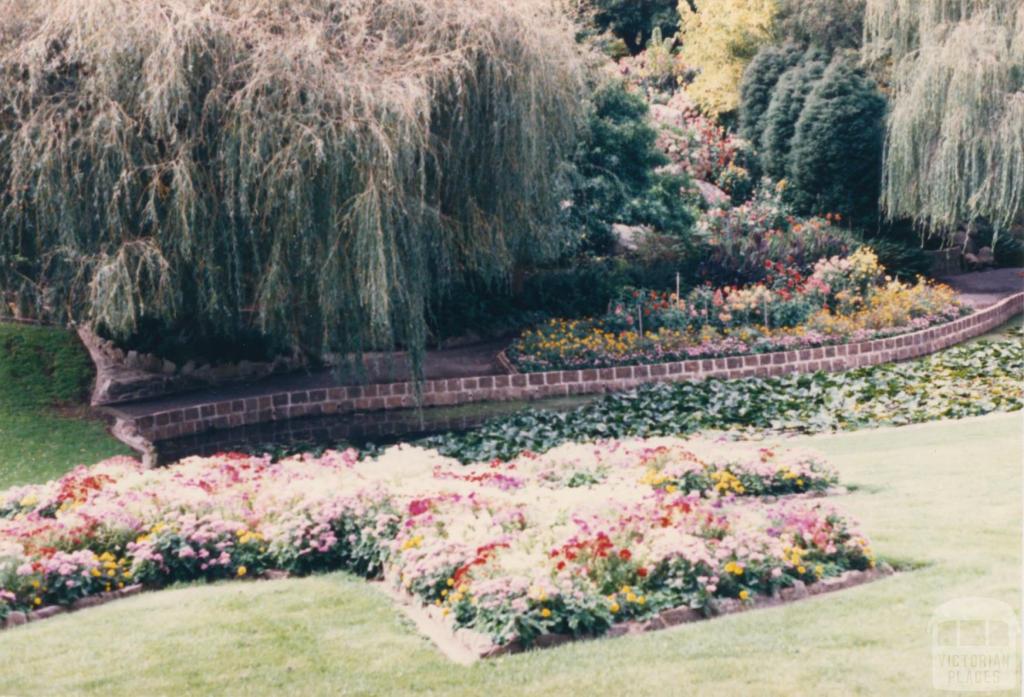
{"x": 787, "y": 101}
{"x": 758, "y": 85}
{"x": 42, "y": 366}
{"x": 617, "y": 181}
{"x": 183, "y": 341}
{"x": 634, "y": 21}
{"x": 835, "y": 161}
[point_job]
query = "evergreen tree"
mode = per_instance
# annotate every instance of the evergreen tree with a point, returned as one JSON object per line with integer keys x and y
{"x": 783, "y": 112}
{"x": 759, "y": 80}
{"x": 618, "y": 183}
{"x": 835, "y": 161}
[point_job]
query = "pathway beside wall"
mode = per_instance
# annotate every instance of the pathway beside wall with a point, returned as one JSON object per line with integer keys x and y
{"x": 997, "y": 296}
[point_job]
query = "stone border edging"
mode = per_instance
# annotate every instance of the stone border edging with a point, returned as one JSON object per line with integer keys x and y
{"x": 199, "y": 418}
{"x": 465, "y": 646}
{"x": 16, "y": 618}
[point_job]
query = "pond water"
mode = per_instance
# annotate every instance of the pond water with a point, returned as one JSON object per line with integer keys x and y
{"x": 358, "y": 430}
{"x": 388, "y": 427}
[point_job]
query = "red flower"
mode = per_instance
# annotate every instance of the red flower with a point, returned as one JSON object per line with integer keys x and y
{"x": 625, "y": 555}
{"x": 642, "y": 572}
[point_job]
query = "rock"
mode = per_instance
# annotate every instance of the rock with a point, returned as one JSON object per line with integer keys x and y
{"x": 275, "y": 574}
{"x": 617, "y": 630}
{"x": 188, "y": 368}
{"x": 795, "y": 592}
{"x": 168, "y": 368}
{"x": 133, "y": 360}
{"x": 545, "y": 641}
{"x": 15, "y": 619}
{"x": 986, "y": 256}
{"x": 129, "y": 591}
{"x": 628, "y": 237}
{"x": 652, "y": 625}
{"x": 711, "y": 194}
{"x": 87, "y": 601}
{"x": 45, "y": 612}
{"x": 680, "y": 615}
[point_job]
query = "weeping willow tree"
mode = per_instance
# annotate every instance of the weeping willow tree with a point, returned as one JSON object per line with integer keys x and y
{"x": 955, "y": 141}
{"x": 320, "y": 170}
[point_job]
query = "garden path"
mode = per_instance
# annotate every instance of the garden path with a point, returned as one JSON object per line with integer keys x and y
{"x": 979, "y": 290}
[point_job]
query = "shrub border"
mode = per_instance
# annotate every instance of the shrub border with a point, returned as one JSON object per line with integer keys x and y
{"x": 216, "y": 415}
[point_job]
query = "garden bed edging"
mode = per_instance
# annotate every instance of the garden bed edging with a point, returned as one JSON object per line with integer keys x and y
{"x": 232, "y": 413}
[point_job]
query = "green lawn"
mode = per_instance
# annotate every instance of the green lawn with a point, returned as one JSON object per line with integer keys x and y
{"x": 39, "y": 444}
{"x": 39, "y": 368}
{"x": 945, "y": 495}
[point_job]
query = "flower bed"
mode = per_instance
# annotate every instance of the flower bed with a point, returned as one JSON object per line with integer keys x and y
{"x": 573, "y": 541}
{"x": 844, "y": 300}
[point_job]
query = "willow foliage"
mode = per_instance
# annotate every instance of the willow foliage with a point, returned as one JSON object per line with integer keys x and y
{"x": 955, "y": 139}
{"x": 318, "y": 169}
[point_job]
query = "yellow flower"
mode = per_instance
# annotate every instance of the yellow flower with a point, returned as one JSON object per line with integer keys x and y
{"x": 545, "y": 613}
{"x": 614, "y": 607}
{"x": 242, "y": 571}
{"x": 451, "y": 582}
{"x": 801, "y": 570}
{"x": 631, "y": 597}
{"x": 744, "y": 594}
{"x": 37, "y": 600}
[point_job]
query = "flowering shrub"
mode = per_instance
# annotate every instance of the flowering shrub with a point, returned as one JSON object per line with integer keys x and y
{"x": 844, "y": 299}
{"x": 569, "y": 541}
{"x": 740, "y": 241}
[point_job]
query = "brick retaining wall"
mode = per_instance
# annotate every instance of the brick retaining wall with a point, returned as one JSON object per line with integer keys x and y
{"x": 528, "y": 386}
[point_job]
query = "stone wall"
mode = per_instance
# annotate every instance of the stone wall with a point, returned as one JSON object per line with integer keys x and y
{"x": 125, "y": 376}
{"x": 200, "y": 418}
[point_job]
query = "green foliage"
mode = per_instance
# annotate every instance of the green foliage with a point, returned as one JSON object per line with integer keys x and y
{"x": 317, "y": 171}
{"x": 42, "y": 366}
{"x": 835, "y": 160}
{"x": 955, "y": 144}
{"x": 617, "y": 181}
{"x": 758, "y": 87}
{"x": 783, "y": 112}
{"x": 959, "y": 382}
{"x": 719, "y": 39}
{"x": 583, "y": 289}
{"x": 634, "y": 21}
{"x": 826, "y": 24}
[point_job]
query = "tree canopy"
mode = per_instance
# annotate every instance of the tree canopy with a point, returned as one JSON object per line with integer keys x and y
{"x": 319, "y": 169}
{"x": 954, "y": 149}
{"x": 719, "y": 39}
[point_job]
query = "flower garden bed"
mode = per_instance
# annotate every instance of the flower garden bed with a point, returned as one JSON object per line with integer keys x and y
{"x": 843, "y": 300}
{"x": 581, "y": 541}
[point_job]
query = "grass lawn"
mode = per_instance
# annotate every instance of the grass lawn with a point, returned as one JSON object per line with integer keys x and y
{"x": 945, "y": 495}
{"x": 39, "y": 368}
